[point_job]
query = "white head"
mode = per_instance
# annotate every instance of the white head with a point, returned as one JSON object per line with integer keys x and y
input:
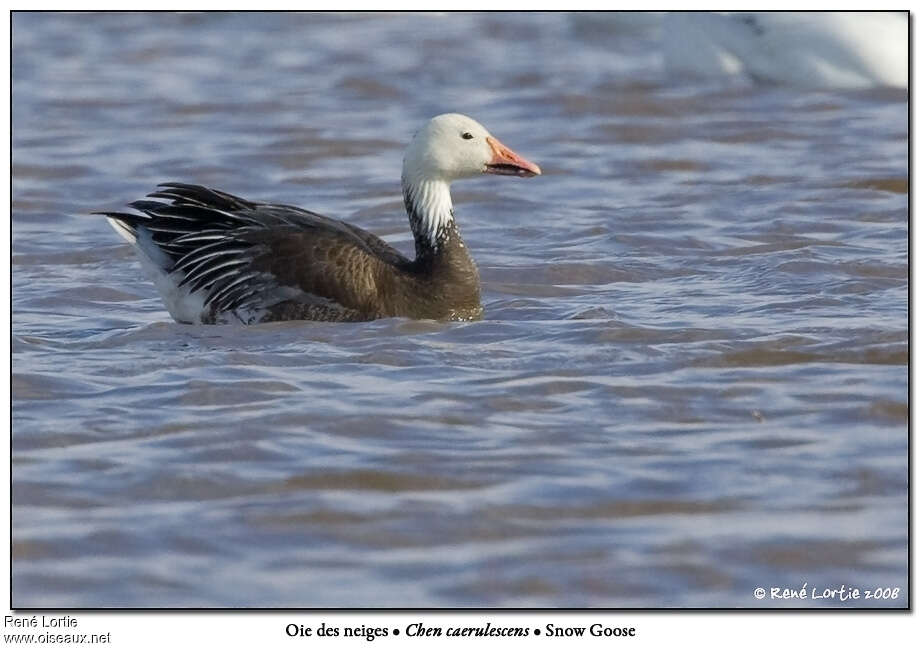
{"x": 453, "y": 146}
{"x": 450, "y": 147}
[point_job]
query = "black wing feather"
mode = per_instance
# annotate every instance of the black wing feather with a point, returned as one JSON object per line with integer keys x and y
{"x": 206, "y": 234}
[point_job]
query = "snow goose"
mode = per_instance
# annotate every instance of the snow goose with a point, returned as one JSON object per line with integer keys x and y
{"x": 848, "y": 50}
{"x": 216, "y": 258}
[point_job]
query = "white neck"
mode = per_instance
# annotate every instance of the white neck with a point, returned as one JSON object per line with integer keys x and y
{"x": 431, "y": 213}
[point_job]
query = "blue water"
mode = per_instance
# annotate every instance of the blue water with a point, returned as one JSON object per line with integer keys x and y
{"x": 691, "y": 378}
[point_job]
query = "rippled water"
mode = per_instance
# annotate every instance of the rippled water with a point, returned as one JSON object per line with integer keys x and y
{"x": 691, "y": 378}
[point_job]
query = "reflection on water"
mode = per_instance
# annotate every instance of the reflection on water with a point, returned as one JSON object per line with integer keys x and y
{"x": 691, "y": 379}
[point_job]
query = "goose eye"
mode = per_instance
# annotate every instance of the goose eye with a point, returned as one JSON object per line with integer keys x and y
{"x": 467, "y": 136}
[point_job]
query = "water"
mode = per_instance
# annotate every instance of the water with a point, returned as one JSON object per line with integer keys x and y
{"x": 691, "y": 378}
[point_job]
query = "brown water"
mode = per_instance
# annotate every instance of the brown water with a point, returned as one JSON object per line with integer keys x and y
{"x": 691, "y": 378}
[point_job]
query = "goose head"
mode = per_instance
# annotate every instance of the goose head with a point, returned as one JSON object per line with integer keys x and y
{"x": 453, "y": 146}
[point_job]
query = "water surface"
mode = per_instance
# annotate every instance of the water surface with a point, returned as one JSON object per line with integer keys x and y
{"x": 691, "y": 378}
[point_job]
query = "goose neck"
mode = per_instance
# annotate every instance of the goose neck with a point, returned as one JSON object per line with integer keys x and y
{"x": 431, "y": 213}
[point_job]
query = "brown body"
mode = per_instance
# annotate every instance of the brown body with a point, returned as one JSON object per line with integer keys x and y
{"x": 304, "y": 266}
{"x": 365, "y": 279}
